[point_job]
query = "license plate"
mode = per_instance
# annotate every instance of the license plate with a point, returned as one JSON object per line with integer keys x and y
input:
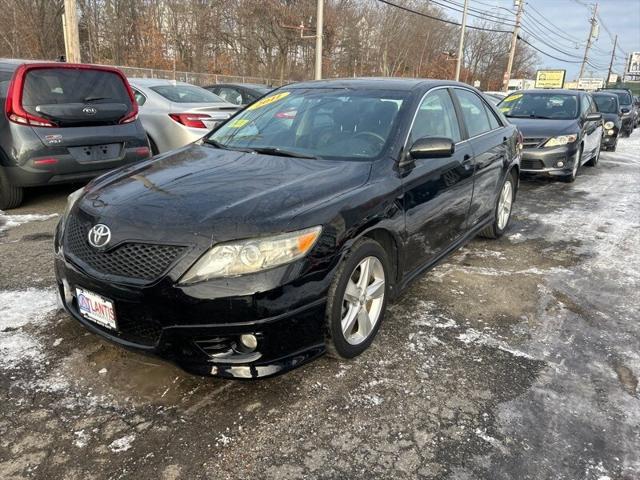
{"x": 96, "y": 308}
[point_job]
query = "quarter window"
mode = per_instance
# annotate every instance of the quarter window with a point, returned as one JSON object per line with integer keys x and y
{"x": 473, "y": 112}
{"x": 436, "y": 117}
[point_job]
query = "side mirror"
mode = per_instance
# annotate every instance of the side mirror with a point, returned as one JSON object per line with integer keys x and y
{"x": 593, "y": 117}
{"x": 432, "y": 147}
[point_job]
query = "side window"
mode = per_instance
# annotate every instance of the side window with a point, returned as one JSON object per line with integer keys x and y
{"x": 493, "y": 121}
{"x": 140, "y": 98}
{"x": 473, "y": 112}
{"x": 436, "y": 117}
{"x": 584, "y": 105}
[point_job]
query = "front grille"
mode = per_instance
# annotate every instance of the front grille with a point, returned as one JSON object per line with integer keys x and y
{"x": 530, "y": 164}
{"x": 532, "y": 142}
{"x": 140, "y": 261}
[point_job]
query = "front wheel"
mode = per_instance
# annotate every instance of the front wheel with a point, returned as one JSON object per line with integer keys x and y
{"x": 576, "y": 165}
{"x": 357, "y": 300}
{"x": 596, "y": 157}
{"x": 504, "y": 205}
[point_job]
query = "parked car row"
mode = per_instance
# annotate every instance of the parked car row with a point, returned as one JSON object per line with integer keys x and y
{"x": 262, "y": 237}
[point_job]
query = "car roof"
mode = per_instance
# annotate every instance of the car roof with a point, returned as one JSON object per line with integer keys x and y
{"x": 249, "y": 85}
{"x": 153, "y": 82}
{"x": 377, "y": 83}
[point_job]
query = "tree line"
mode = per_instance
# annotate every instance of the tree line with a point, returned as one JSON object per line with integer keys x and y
{"x": 262, "y": 38}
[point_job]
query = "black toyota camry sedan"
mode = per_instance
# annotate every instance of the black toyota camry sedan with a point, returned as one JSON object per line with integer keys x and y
{"x": 562, "y": 130}
{"x": 286, "y": 231}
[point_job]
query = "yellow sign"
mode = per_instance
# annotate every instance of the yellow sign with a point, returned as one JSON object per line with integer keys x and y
{"x": 268, "y": 100}
{"x": 550, "y": 78}
{"x": 241, "y": 122}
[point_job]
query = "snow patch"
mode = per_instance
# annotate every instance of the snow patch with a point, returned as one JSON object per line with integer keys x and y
{"x": 122, "y": 444}
{"x": 11, "y": 221}
{"x": 19, "y": 309}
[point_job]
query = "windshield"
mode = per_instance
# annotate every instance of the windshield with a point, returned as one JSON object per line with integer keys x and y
{"x": 316, "y": 123}
{"x": 187, "y": 94}
{"x": 623, "y": 97}
{"x": 557, "y": 106}
{"x": 606, "y": 103}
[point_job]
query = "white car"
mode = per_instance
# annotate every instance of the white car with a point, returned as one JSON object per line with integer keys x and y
{"x": 176, "y": 113}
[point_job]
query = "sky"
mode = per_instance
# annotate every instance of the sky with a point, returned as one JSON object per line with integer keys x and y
{"x": 570, "y": 18}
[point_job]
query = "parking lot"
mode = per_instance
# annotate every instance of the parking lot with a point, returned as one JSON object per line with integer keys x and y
{"x": 516, "y": 358}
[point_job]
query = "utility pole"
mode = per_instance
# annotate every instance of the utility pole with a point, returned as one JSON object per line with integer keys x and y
{"x": 594, "y": 22}
{"x": 461, "y": 44}
{"x": 319, "y": 22}
{"x": 514, "y": 40}
{"x": 70, "y": 29}
{"x": 613, "y": 56}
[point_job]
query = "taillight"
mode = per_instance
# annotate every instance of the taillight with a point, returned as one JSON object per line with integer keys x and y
{"x": 193, "y": 120}
{"x": 13, "y": 105}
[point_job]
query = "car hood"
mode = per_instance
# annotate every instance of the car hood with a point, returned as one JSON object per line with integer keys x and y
{"x": 539, "y": 128}
{"x": 611, "y": 117}
{"x": 203, "y": 192}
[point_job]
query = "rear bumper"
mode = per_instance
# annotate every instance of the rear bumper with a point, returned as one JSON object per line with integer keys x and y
{"x": 67, "y": 170}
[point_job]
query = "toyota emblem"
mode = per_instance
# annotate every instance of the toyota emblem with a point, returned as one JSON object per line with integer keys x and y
{"x": 90, "y": 110}
{"x": 99, "y": 236}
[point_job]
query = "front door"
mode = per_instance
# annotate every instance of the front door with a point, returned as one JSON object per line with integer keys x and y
{"x": 437, "y": 191}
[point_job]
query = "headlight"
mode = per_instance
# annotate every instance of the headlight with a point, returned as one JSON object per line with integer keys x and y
{"x": 232, "y": 259}
{"x": 561, "y": 140}
{"x": 609, "y": 125}
{"x": 610, "y": 132}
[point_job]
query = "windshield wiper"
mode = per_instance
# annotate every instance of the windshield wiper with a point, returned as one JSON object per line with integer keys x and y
{"x": 280, "y": 152}
{"x": 222, "y": 146}
{"x": 95, "y": 99}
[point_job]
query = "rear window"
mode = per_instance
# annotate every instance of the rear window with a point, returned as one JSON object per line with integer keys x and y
{"x": 187, "y": 94}
{"x": 55, "y": 86}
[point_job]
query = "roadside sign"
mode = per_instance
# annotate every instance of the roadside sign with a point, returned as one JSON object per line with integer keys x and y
{"x": 590, "y": 84}
{"x": 550, "y": 78}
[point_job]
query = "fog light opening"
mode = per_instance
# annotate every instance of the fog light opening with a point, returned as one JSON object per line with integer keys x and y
{"x": 560, "y": 164}
{"x": 250, "y": 342}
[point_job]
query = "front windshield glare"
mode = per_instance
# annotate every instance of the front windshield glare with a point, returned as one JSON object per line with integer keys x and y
{"x": 315, "y": 123}
{"x": 540, "y": 105}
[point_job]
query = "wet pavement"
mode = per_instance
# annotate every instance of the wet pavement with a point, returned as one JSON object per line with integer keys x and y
{"x": 516, "y": 358}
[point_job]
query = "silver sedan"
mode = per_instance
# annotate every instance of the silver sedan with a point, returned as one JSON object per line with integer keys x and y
{"x": 177, "y": 113}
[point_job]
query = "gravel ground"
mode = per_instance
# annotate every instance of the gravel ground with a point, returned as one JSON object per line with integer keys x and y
{"x": 517, "y": 358}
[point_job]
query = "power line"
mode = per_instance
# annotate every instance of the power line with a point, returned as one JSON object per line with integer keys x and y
{"x": 483, "y": 14}
{"x": 432, "y": 17}
{"x": 542, "y": 19}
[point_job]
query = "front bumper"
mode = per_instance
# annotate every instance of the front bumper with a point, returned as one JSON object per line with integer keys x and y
{"x": 200, "y": 333}
{"x": 550, "y": 161}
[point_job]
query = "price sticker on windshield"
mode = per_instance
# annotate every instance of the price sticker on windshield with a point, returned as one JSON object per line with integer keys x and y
{"x": 241, "y": 122}
{"x": 268, "y": 101}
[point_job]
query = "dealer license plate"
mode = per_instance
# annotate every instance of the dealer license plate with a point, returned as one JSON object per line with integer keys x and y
{"x": 96, "y": 308}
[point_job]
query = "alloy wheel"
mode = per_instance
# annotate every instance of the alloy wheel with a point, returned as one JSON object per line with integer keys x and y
{"x": 504, "y": 205}
{"x": 363, "y": 300}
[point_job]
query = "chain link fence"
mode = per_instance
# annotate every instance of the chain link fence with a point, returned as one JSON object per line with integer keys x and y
{"x": 194, "y": 78}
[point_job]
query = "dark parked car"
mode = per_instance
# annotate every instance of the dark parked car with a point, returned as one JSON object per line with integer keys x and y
{"x": 64, "y": 123}
{"x": 277, "y": 237}
{"x": 562, "y": 130}
{"x": 239, "y": 93}
{"x": 609, "y": 107}
{"x": 627, "y": 108}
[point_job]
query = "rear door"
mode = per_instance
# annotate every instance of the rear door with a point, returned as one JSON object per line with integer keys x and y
{"x": 489, "y": 144}
{"x": 437, "y": 191}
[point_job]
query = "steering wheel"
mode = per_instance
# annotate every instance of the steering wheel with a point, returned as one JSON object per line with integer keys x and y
{"x": 370, "y": 134}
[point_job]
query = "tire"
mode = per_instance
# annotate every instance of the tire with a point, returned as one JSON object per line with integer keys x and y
{"x": 358, "y": 338}
{"x": 574, "y": 173}
{"x": 594, "y": 160}
{"x": 499, "y": 225}
{"x": 10, "y": 196}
